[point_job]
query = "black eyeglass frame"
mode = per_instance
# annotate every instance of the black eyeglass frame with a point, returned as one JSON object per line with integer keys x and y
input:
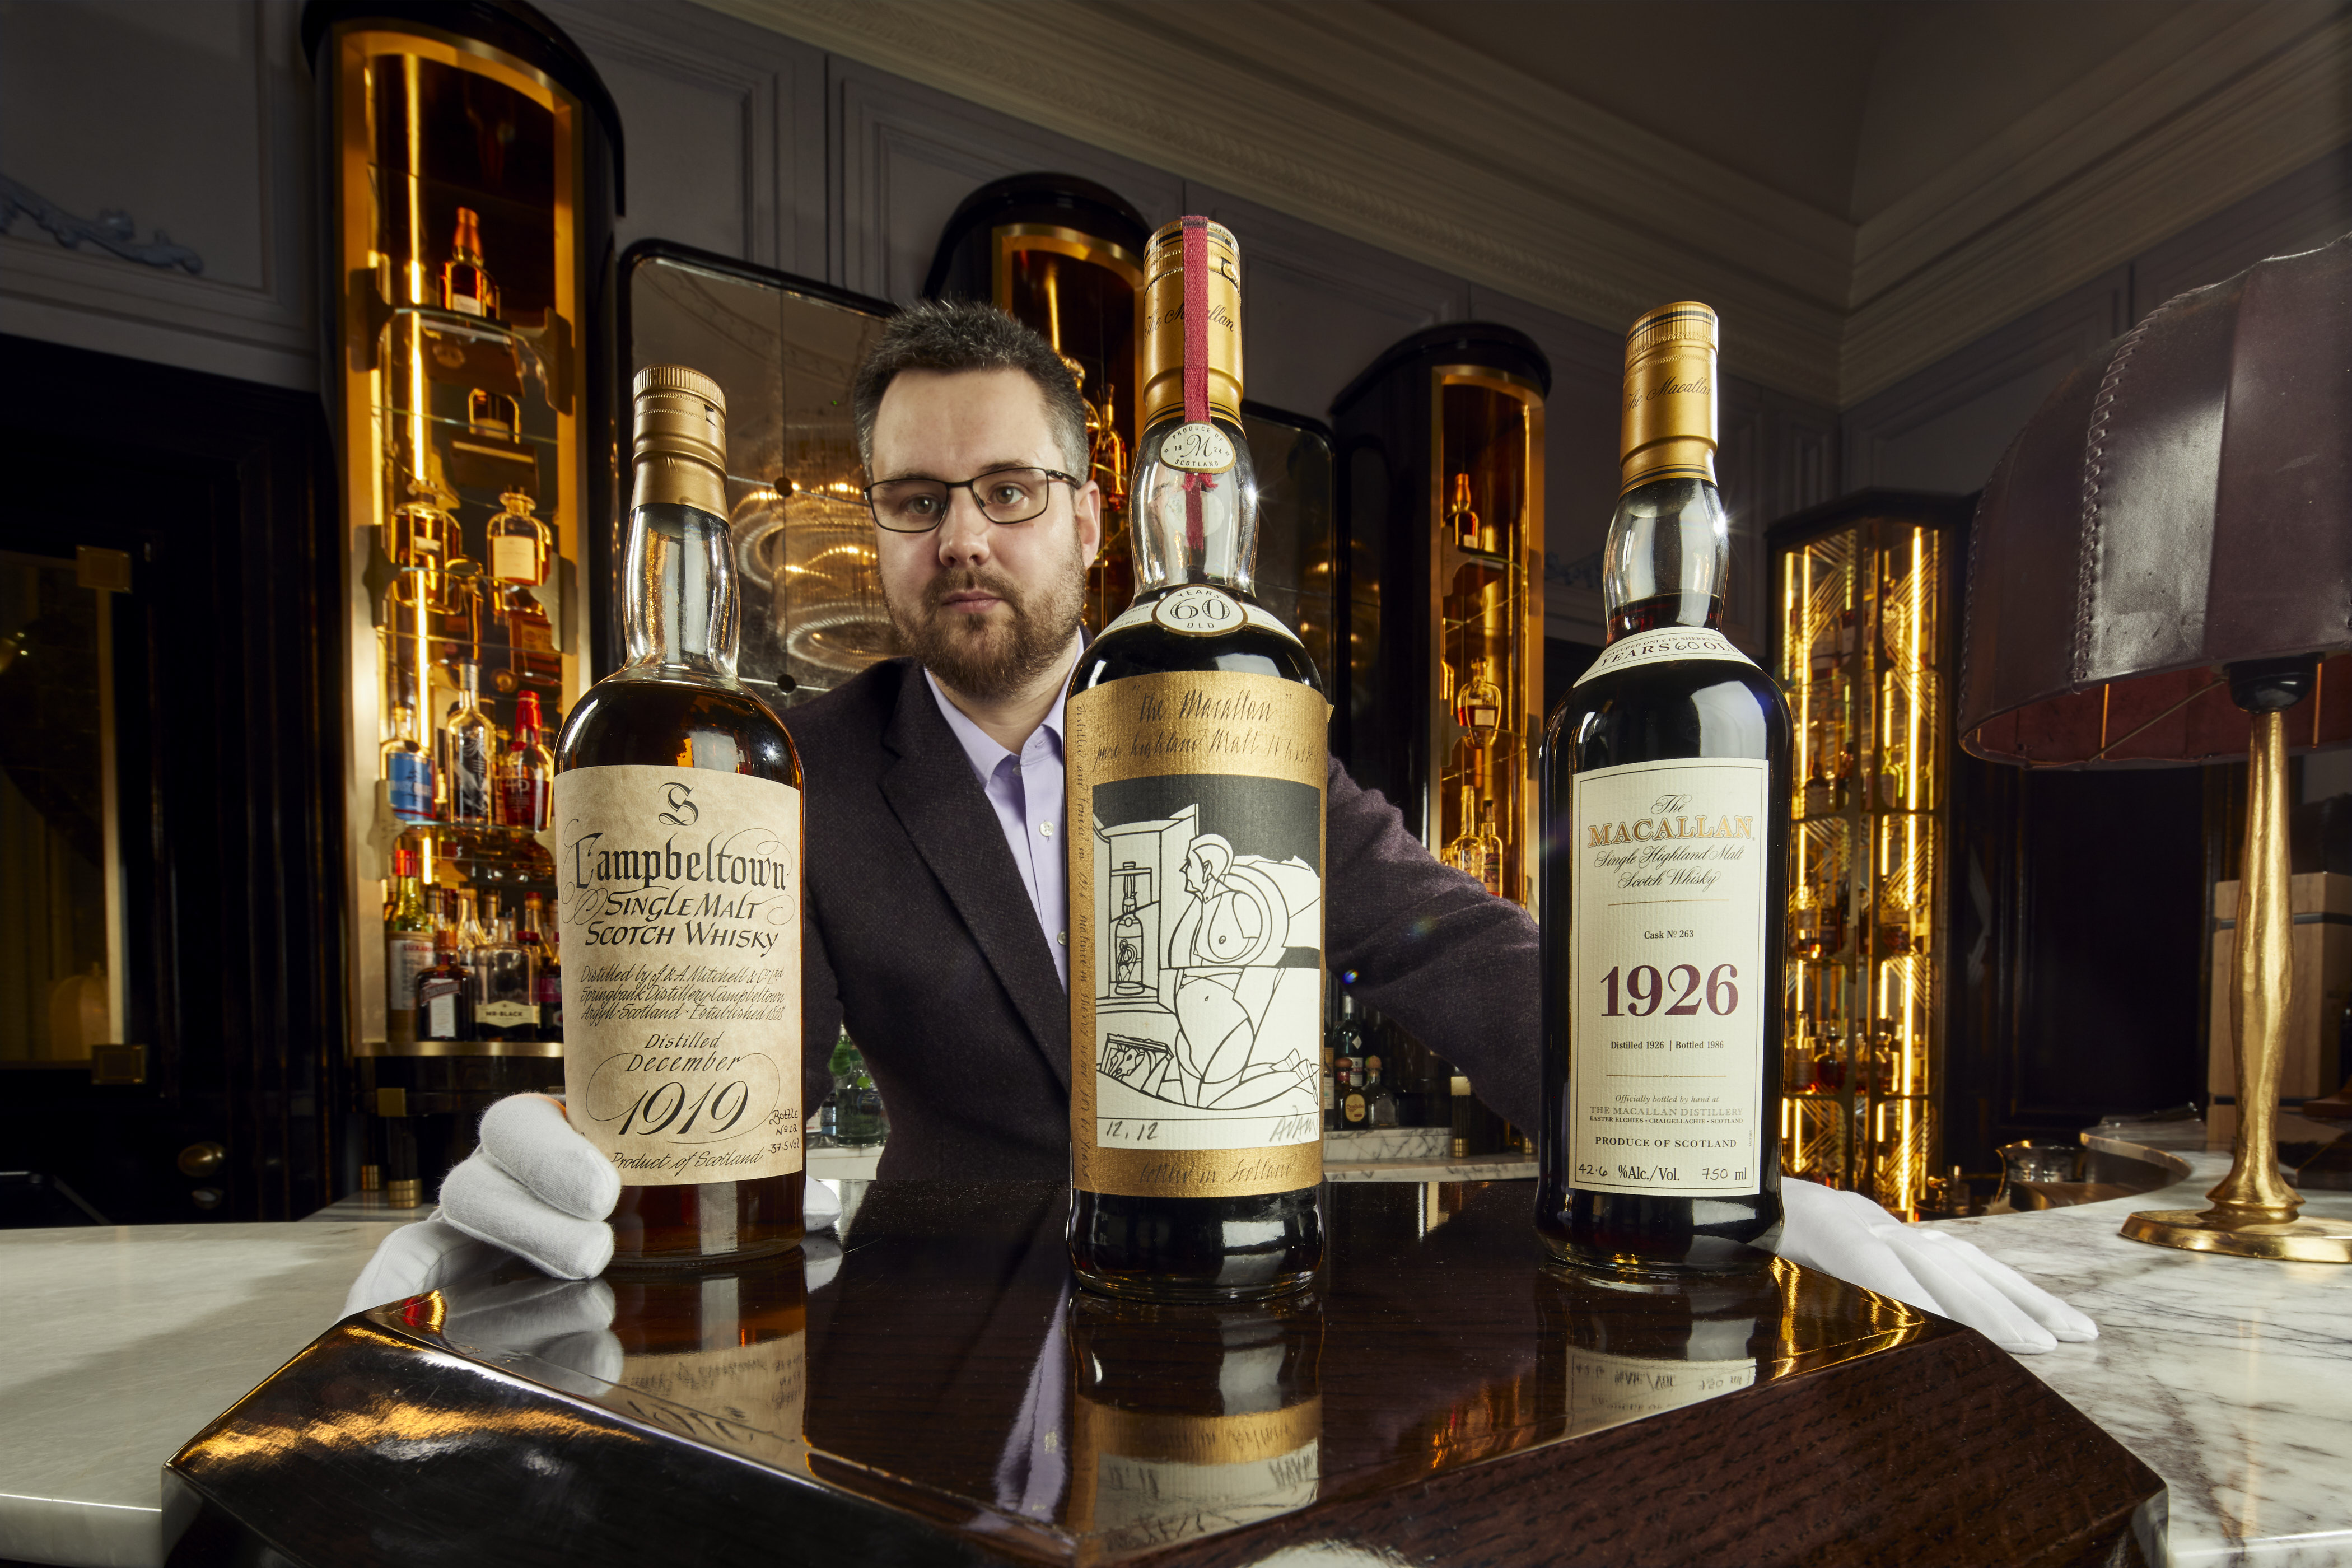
{"x": 949, "y": 487}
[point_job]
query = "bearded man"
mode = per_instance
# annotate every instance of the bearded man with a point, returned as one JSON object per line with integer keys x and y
{"x": 937, "y": 907}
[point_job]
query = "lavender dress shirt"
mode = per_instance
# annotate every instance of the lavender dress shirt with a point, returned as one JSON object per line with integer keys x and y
{"x": 1027, "y": 792}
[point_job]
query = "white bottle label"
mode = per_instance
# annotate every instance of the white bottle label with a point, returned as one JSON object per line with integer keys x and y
{"x": 514, "y": 559}
{"x": 1667, "y": 989}
{"x": 1199, "y": 448}
{"x": 1680, "y": 644}
{"x": 680, "y": 907}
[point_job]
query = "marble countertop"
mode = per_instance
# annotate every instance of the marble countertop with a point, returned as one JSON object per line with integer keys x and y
{"x": 2232, "y": 1379}
{"x": 2229, "y": 1377}
{"x": 122, "y": 1342}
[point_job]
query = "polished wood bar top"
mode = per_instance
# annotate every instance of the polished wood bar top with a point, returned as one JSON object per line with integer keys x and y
{"x": 945, "y": 1394}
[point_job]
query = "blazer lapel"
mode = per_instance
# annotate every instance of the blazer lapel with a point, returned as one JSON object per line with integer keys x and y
{"x": 950, "y": 820}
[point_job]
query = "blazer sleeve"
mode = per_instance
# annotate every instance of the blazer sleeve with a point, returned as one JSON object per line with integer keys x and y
{"x": 1433, "y": 949}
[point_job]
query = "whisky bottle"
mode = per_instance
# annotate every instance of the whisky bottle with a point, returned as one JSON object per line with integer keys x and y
{"x": 525, "y": 769}
{"x": 1490, "y": 849}
{"x": 548, "y": 989}
{"x": 520, "y": 544}
{"x": 445, "y": 1006}
{"x": 1479, "y": 707}
{"x": 506, "y": 987}
{"x": 677, "y": 815}
{"x": 1380, "y": 1096}
{"x": 466, "y": 285}
{"x": 407, "y": 768}
{"x": 1665, "y": 805}
{"x": 407, "y": 950}
{"x": 1355, "y": 1105}
{"x": 1464, "y": 852}
{"x": 472, "y": 747}
{"x": 1460, "y": 520}
{"x": 1195, "y": 1137}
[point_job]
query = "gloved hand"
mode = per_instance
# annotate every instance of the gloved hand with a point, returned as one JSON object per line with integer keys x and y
{"x": 1847, "y": 1235}
{"x": 535, "y": 1187}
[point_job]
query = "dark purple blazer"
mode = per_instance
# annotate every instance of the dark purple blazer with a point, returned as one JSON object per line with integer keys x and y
{"x": 922, "y": 939}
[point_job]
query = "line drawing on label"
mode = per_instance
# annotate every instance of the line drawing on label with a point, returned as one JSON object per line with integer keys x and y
{"x": 1207, "y": 1013}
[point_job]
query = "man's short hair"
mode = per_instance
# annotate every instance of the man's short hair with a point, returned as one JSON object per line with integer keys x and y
{"x": 956, "y": 335}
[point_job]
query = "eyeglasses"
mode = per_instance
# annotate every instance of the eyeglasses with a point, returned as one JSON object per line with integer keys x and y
{"x": 1003, "y": 495}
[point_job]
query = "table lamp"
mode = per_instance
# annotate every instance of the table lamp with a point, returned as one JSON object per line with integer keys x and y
{"x": 2160, "y": 573}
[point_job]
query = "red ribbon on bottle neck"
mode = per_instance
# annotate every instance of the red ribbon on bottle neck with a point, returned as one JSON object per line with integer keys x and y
{"x": 1196, "y": 367}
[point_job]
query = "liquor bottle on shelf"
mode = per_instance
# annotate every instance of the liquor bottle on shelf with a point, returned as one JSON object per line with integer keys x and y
{"x": 471, "y": 748}
{"x": 466, "y": 285}
{"x": 1355, "y": 1106}
{"x": 472, "y": 934}
{"x": 420, "y": 535}
{"x": 506, "y": 987}
{"x": 1173, "y": 1198}
{"x": 1346, "y": 1048}
{"x": 1460, "y": 520}
{"x": 520, "y": 544}
{"x": 1380, "y": 1098}
{"x": 1479, "y": 707}
{"x": 1671, "y": 737}
{"x": 407, "y": 949}
{"x": 445, "y": 1008}
{"x": 549, "y": 987}
{"x": 672, "y": 737}
{"x": 525, "y": 768}
{"x": 409, "y": 768}
{"x": 1464, "y": 851}
{"x": 1490, "y": 849}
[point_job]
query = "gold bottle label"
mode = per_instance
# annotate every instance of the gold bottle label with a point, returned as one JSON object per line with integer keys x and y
{"x": 1196, "y": 955}
{"x": 1666, "y": 1024}
{"x": 678, "y": 889}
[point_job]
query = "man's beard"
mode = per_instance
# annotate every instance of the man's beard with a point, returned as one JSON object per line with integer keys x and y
{"x": 995, "y": 656}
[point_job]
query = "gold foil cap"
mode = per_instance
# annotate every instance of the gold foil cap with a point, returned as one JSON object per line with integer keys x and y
{"x": 1670, "y": 369}
{"x": 680, "y": 451}
{"x": 1163, "y": 321}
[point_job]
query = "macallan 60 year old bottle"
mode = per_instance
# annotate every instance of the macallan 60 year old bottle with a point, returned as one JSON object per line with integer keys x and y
{"x": 676, "y": 808}
{"x": 1197, "y": 744}
{"x": 1665, "y": 802}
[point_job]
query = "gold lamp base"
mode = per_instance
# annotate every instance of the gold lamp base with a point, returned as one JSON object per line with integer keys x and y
{"x": 2296, "y": 1241}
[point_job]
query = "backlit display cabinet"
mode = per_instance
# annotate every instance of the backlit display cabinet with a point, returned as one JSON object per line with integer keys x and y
{"x": 784, "y": 349}
{"x": 1864, "y": 644}
{"x": 1441, "y": 468}
{"x": 1063, "y": 257}
{"x": 471, "y": 163}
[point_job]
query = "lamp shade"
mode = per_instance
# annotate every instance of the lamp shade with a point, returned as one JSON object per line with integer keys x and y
{"x": 2182, "y": 500}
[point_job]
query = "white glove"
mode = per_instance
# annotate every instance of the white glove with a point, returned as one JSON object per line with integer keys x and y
{"x": 535, "y": 1187}
{"x": 1847, "y": 1235}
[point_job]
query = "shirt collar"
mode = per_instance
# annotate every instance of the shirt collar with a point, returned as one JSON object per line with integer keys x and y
{"x": 985, "y": 755}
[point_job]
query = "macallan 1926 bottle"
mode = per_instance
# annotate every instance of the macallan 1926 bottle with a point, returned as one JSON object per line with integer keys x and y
{"x": 677, "y": 812}
{"x": 1197, "y": 746}
{"x": 1665, "y": 853}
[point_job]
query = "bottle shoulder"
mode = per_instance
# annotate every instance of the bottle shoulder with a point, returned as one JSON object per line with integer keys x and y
{"x": 1147, "y": 648}
{"x": 649, "y": 722}
{"x": 1686, "y": 708}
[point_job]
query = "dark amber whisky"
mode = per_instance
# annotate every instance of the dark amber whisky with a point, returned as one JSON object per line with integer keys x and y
{"x": 1197, "y": 753}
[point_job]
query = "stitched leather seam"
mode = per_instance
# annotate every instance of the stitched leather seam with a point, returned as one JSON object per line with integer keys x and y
{"x": 2095, "y": 456}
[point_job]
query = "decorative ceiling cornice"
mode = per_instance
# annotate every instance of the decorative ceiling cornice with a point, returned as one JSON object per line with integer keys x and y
{"x": 1373, "y": 126}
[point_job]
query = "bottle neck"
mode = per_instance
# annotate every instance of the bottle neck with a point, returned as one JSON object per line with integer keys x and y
{"x": 1192, "y": 522}
{"x": 1667, "y": 556}
{"x": 680, "y": 617}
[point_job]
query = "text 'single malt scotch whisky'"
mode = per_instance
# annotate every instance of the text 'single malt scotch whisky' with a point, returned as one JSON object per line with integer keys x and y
{"x": 675, "y": 810}
{"x": 1666, "y": 826}
{"x": 1197, "y": 747}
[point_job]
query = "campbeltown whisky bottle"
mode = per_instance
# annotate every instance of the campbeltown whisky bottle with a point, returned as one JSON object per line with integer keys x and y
{"x": 1197, "y": 748}
{"x": 677, "y": 812}
{"x": 1665, "y": 802}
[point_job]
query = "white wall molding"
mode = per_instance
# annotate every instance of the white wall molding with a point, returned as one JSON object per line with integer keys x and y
{"x": 1366, "y": 123}
{"x": 2252, "y": 101}
{"x": 1560, "y": 205}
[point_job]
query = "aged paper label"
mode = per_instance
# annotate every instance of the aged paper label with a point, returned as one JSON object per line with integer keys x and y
{"x": 1666, "y": 1032}
{"x": 1141, "y": 1480}
{"x": 1667, "y": 644}
{"x": 678, "y": 899}
{"x": 1196, "y": 935}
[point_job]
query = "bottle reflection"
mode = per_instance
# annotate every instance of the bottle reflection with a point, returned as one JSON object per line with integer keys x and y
{"x": 1615, "y": 1350}
{"x": 1187, "y": 1420}
{"x": 728, "y": 1346}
